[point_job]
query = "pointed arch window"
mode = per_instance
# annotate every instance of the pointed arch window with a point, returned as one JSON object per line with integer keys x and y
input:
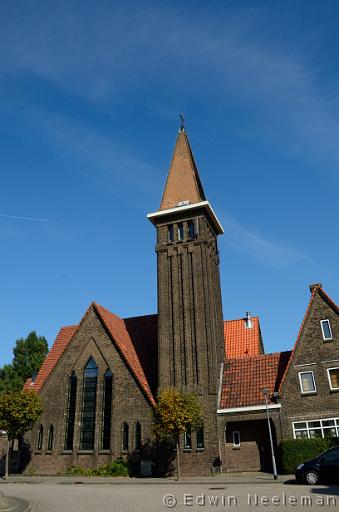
{"x": 125, "y": 436}
{"x": 71, "y": 407}
{"x": 107, "y": 410}
{"x": 40, "y": 437}
{"x": 138, "y": 436}
{"x": 89, "y": 406}
{"x": 50, "y": 438}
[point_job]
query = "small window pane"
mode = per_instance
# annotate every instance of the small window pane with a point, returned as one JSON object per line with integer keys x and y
{"x": 334, "y": 378}
{"x": 180, "y": 231}
{"x": 314, "y": 424}
{"x": 170, "y": 233}
{"x": 326, "y": 329}
{"x": 330, "y": 432}
{"x": 300, "y": 425}
{"x": 328, "y": 423}
{"x": 315, "y": 433}
{"x": 236, "y": 438}
{"x": 301, "y": 434}
{"x": 307, "y": 382}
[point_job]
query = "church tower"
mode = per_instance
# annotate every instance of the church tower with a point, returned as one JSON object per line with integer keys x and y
{"x": 190, "y": 320}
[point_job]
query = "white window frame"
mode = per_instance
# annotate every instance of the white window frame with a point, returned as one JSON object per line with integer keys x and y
{"x": 236, "y": 445}
{"x": 322, "y": 329}
{"x": 321, "y": 428}
{"x": 301, "y": 386}
{"x": 329, "y": 378}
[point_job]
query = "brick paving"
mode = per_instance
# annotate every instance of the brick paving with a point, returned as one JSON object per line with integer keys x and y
{"x": 63, "y": 494}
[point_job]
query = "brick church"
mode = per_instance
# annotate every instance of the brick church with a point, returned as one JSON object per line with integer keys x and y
{"x": 100, "y": 379}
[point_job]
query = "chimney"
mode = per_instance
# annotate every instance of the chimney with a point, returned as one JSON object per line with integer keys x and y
{"x": 248, "y": 320}
{"x": 315, "y": 285}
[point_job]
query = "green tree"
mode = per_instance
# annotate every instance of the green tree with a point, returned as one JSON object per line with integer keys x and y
{"x": 174, "y": 414}
{"x": 29, "y": 354}
{"x": 19, "y": 411}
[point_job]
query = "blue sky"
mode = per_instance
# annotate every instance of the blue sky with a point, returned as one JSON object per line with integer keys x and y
{"x": 89, "y": 99}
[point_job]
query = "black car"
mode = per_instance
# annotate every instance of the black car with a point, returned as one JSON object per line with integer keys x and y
{"x": 325, "y": 467}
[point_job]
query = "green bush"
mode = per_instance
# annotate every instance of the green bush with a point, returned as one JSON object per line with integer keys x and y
{"x": 296, "y": 451}
{"x": 116, "y": 468}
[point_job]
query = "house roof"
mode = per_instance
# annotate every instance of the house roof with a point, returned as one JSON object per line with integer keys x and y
{"x": 317, "y": 288}
{"x": 242, "y": 341}
{"x": 183, "y": 181}
{"x": 245, "y": 377}
{"x": 61, "y": 341}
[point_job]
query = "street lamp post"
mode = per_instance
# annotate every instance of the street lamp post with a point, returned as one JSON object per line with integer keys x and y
{"x": 275, "y": 475}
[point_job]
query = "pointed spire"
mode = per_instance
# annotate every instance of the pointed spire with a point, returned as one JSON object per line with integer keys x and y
{"x": 183, "y": 181}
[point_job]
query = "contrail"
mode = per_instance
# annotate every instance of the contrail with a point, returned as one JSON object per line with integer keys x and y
{"x": 34, "y": 219}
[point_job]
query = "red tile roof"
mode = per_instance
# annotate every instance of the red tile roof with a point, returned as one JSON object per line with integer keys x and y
{"x": 117, "y": 329}
{"x": 241, "y": 341}
{"x": 61, "y": 341}
{"x": 244, "y": 378}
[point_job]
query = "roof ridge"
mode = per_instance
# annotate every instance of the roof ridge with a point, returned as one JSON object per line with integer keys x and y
{"x": 242, "y": 318}
{"x": 257, "y": 356}
{"x": 140, "y": 316}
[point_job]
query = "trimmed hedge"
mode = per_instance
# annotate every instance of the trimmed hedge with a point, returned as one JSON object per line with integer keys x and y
{"x": 296, "y": 451}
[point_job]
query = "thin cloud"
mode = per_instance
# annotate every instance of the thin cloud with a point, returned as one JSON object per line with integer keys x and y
{"x": 18, "y": 217}
{"x": 256, "y": 246}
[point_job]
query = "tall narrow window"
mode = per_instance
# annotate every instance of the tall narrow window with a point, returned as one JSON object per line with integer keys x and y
{"x": 326, "y": 330}
{"x": 50, "y": 438}
{"x": 138, "y": 436}
{"x": 188, "y": 440}
{"x": 89, "y": 405}
{"x": 72, "y": 398}
{"x": 170, "y": 233}
{"x": 107, "y": 410}
{"x": 180, "y": 231}
{"x": 236, "y": 438}
{"x": 200, "y": 438}
{"x": 125, "y": 437}
{"x": 40, "y": 437}
{"x": 191, "y": 225}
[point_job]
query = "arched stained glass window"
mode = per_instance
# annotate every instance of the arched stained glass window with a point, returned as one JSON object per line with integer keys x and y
{"x": 71, "y": 407}
{"x": 89, "y": 406}
{"x": 138, "y": 436}
{"x": 107, "y": 410}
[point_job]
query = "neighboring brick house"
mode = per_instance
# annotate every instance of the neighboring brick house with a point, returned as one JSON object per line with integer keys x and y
{"x": 99, "y": 381}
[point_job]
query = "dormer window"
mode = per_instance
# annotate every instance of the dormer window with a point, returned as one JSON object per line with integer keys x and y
{"x": 170, "y": 233}
{"x": 326, "y": 330}
{"x": 180, "y": 231}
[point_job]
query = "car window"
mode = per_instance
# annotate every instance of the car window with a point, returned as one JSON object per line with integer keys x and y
{"x": 331, "y": 456}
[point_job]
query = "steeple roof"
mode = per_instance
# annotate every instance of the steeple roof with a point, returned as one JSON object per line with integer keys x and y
{"x": 183, "y": 181}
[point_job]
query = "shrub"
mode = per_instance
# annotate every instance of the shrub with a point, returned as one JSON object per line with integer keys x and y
{"x": 296, "y": 451}
{"x": 116, "y": 468}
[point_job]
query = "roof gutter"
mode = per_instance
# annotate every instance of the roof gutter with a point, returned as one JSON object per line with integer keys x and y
{"x": 248, "y": 408}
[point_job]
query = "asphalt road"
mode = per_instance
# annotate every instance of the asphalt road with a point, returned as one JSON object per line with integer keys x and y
{"x": 237, "y": 493}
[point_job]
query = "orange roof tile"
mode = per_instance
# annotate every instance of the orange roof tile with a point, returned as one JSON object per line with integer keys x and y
{"x": 61, "y": 341}
{"x": 116, "y": 327}
{"x": 244, "y": 378}
{"x": 242, "y": 341}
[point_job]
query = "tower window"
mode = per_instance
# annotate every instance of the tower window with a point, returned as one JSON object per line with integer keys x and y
{"x": 180, "y": 231}
{"x": 72, "y": 395}
{"x": 200, "y": 438}
{"x": 50, "y": 438}
{"x": 138, "y": 436}
{"x": 170, "y": 233}
{"x": 125, "y": 435}
{"x": 89, "y": 406}
{"x": 107, "y": 410}
{"x": 326, "y": 330}
{"x": 192, "y": 227}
